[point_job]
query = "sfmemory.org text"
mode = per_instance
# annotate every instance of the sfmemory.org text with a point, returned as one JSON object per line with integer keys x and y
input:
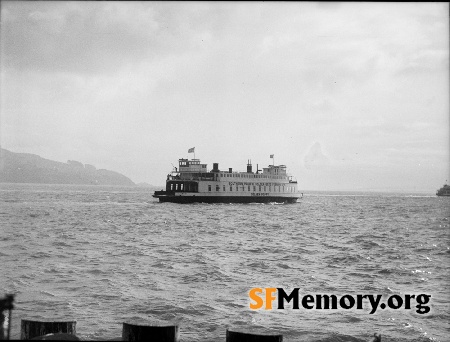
{"x": 261, "y": 296}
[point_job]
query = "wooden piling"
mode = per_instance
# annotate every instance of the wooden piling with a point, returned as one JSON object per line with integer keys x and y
{"x": 234, "y": 336}
{"x": 31, "y": 329}
{"x": 133, "y": 332}
{"x": 6, "y": 304}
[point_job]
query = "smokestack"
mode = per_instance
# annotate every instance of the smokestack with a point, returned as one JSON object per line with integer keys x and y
{"x": 249, "y": 166}
{"x": 257, "y": 168}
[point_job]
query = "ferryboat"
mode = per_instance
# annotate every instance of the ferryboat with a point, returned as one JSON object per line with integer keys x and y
{"x": 444, "y": 191}
{"x": 191, "y": 182}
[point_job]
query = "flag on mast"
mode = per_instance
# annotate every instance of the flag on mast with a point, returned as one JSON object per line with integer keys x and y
{"x": 191, "y": 150}
{"x": 271, "y": 156}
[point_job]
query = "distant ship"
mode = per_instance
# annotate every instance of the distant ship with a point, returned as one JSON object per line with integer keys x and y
{"x": 191, "y": 182}
{"x": 444, "y": 191}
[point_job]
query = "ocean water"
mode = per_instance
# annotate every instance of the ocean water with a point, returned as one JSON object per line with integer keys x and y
{"x": 107, "y": 255}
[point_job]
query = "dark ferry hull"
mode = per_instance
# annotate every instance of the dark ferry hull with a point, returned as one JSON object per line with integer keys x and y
{"x": 226, "y": 199}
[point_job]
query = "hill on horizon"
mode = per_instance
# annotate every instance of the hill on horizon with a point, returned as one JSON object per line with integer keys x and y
{"x": 31, "y": 168}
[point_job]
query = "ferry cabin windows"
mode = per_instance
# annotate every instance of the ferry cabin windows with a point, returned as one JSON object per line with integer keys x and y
{"x": 179, "y": 185}
{"x": 182, "y": 186}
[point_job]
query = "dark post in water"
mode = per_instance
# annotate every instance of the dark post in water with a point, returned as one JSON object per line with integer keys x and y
{"x": 30, "y": 329}
{"x": 234, "y": 336}
{"x": 132, "y": 332}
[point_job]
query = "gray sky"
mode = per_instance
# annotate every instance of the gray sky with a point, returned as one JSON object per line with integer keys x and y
{"x": 350, "y": 96}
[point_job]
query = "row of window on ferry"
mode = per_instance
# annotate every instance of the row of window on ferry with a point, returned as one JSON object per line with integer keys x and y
{"x": 259, "y": 187}
{"x": 249, "y": 175}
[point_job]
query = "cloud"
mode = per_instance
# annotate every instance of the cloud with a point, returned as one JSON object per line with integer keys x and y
{"x": 87, "y": 37}
{"x": 134, "y": 76}
{"x": 315, "y": 158}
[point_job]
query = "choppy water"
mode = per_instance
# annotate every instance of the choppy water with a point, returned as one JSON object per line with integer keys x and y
{"x": 107, "y": 255}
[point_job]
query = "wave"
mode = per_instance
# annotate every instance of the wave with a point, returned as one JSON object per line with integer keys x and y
{"x": 198, "y": 262}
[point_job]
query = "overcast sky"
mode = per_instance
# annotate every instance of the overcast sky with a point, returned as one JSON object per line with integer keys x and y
{"x": 350, "y": 96}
